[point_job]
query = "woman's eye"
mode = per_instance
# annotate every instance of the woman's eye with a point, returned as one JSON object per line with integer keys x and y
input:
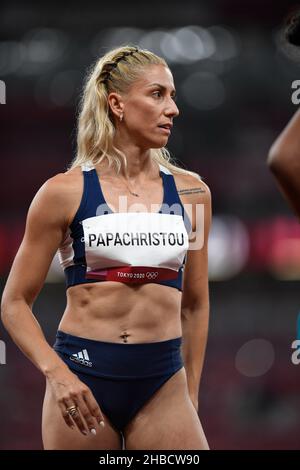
{"x": 158, "y": 93}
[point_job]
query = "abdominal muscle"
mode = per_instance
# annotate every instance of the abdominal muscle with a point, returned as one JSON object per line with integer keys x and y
{"x": 123, "y": 313}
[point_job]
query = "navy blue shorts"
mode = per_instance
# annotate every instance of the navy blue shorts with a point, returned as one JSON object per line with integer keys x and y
{"x": 121, "y": 376}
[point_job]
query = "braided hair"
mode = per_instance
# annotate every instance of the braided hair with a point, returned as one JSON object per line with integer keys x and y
{"x": 111, "y": 65}
{"x": 116, "y": 71}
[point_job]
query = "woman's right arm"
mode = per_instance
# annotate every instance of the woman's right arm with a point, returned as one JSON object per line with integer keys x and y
{"x": 46, "y": 223}
{"x": 284, "y": 162}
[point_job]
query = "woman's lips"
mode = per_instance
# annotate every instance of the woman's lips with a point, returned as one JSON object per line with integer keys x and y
{"x": 165, "y": 130}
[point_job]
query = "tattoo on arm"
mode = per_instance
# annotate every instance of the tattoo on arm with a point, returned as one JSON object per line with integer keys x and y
{"x": 191, "y": 191}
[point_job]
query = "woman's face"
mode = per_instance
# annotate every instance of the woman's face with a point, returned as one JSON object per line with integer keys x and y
{"x": 149, "y": 104}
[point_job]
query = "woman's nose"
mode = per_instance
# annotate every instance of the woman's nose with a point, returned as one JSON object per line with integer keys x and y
{"x": 172, "y": 109}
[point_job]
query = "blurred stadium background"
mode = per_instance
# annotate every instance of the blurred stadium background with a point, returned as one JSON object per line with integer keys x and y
{"x": 233, "y": 74}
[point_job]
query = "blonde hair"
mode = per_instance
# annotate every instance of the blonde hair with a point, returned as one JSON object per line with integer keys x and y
{"x": 115, "y": 71}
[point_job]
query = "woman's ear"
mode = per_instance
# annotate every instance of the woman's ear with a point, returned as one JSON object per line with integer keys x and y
{"x": 116, "y": 104}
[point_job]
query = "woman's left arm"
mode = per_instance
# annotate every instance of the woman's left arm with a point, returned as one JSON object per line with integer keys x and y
{"x": 195, "y": 295}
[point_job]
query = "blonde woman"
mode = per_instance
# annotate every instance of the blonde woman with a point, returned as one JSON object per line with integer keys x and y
{"x": 127, "y": 360}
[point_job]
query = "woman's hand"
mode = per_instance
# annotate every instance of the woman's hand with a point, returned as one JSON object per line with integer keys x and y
{"x": 75, "y": 400}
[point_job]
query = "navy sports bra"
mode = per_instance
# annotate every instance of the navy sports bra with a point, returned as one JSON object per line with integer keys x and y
{"x": 131, "y": 247}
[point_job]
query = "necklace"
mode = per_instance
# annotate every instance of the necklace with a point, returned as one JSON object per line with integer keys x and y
{"x": 134, "y": 194}
{"x": 131, "y": 192}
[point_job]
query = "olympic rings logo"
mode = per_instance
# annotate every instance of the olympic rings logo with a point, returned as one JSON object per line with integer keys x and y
{"x": 151, "y": 275}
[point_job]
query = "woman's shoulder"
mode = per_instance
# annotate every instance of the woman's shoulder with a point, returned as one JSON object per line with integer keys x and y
{"x": 190, "y": 183}
{"x": 66, "y": 182}
{"x": 193, "y": 191}
{"x": 61, "y": 193}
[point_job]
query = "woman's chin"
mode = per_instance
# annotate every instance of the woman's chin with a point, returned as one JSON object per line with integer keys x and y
{"x": 156, "y": 143}
{"x": 159, "y": 143}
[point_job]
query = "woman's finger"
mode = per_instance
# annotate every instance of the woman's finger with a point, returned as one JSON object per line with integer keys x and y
{"x": 93, "y": 407}
{"x": 71, "y": 407}
{"x": 66, "y": 416}
{"x": 87, "y": 415}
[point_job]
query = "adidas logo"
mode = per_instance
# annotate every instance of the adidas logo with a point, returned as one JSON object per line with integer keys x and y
{"x": 82, "y": 357}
